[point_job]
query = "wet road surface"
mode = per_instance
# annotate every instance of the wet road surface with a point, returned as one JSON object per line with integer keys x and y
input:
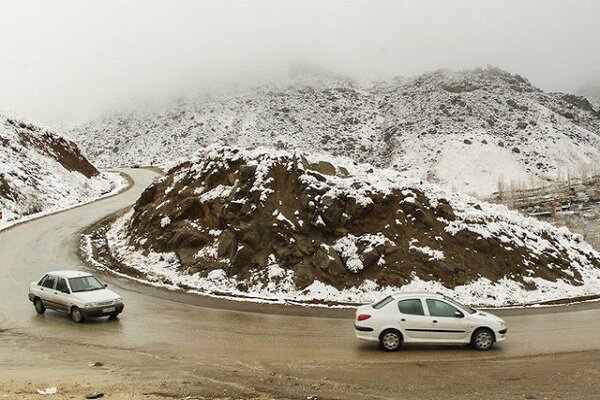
{"x": 162, "y": 326}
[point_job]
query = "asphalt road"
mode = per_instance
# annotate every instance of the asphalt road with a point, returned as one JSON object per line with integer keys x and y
{"x": 242, "y": 345}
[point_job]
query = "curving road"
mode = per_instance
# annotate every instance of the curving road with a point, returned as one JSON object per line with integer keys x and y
{"x": 232, "y": 352}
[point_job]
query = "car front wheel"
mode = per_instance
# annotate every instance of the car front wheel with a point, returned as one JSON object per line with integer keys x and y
{"x": 483, "y": 339}
{"x": 76, "y": 315}
{"x": 39, "y": 306}
{"x": 390, "y": 340}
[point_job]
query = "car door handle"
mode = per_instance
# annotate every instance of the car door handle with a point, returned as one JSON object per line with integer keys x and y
{"x": 435, "y": 321}
{"x": 402, "y": 320}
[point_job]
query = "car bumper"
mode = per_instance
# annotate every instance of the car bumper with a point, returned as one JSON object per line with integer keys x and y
{"x": 102, "y": 311}
{"x": 365, "y": 333}
{"x": 501, "y": 335}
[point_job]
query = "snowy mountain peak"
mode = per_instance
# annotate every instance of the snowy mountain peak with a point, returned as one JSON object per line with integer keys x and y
{"x": 467, "y": 130}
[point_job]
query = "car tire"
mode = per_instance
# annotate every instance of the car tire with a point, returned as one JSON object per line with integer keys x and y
{"x": 390, "y": 340}
{"x": 483, "y": 339}
{"x": 113, "y": 316}
{"x": 76, "y": 315}
{"x": 38, "y": 304}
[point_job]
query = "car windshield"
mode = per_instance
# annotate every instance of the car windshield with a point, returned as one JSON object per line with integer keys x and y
{"x": 85, "y": 284}
{"x": 461, "y": 306}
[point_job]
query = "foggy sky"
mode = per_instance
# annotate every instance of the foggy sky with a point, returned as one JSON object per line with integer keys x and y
{"x": 71, "y": 60}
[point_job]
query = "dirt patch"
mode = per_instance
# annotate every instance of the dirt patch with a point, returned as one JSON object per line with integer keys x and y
{"x": 5, "y": 189}
{"x": 64, "y": 151}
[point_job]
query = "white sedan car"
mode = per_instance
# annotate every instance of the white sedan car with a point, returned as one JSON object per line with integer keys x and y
{"x": 426, "y": 318}
{"x": 77, "y": 293}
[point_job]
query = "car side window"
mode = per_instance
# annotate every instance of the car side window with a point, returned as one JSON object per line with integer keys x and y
{"x": 411, "y": 307}
{"x": 439, "y": 308}
{"x": 61, "y": 285}
{"x": 382, "y": 303}
{"x": 49, "y": 282}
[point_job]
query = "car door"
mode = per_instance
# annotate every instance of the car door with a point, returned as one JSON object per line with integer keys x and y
{"x": 415, "y": 324}
{"x": 48, "y": 290}
{"x": 62, "y": 295}
{"x": 448, "y": 323}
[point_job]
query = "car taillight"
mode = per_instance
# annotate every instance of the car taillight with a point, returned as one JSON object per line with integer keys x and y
{"x": 362, "y": 317}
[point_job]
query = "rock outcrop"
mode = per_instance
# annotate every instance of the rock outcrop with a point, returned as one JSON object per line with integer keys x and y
{"x": 259, "y": 217}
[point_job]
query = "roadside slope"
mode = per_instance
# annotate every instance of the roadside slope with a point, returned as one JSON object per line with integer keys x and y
{"x": 42, "y": 172}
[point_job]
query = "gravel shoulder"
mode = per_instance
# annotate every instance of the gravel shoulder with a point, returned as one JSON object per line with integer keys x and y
{"x": 28, "y": 364}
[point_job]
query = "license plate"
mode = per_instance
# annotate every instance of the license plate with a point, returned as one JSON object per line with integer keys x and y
{"x": 109, "y": 309}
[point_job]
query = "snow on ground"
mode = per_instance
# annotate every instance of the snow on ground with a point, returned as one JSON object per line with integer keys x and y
{"x": 117, "y": 183}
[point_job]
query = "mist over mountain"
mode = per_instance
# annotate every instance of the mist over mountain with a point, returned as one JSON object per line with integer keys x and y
{"x": 591, "y": 91}
{"x": 466, "y": 130}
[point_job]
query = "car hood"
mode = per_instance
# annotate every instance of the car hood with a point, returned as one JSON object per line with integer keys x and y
{"x": 96, "y": 295}
{"x": 486, "y": 316}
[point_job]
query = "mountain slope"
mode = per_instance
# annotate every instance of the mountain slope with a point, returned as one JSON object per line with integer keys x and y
{"x": 280, "y": 225}
{"x": 466, "y": 129}
{"x": 40, "y": 172}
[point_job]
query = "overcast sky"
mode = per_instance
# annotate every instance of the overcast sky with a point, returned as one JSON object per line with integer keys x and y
{"x": 68, "y": 60}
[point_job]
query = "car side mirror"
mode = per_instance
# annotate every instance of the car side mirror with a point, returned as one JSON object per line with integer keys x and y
{"x": 66, "y": 291}
{"x": 458, "y": 314}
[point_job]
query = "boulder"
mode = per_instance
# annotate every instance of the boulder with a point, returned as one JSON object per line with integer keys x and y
{"x": 303, "y": 275}
{"x": 445, "y": 211}
{"x": 324, "y": 168}
{"x": 241, "y": 261}
{"x": 227, "y": 244}
{"x": 247, "y": 173}
{"x": 370, "y": 257}
{"x": 331, "y": 211}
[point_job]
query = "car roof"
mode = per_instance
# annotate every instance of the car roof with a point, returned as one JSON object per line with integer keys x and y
{"x": 403, "y": 295}
{"x": 69, "y": 273}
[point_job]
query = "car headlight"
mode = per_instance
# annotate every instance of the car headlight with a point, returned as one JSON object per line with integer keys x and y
{"x": 89, "y": 305}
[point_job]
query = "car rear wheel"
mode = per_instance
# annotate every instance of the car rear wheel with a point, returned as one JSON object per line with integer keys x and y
{"x": 76, "y": 315}
{"x": 390, "y": 340}
{"x": 483, "y": 339}
{"x": 39, "y": 306}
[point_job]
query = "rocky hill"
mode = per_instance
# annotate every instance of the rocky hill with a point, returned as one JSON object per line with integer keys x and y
{"x": 282, "y": 225}
{"x": 465, "y": 130}
{"x": 591, "y": 91}
{"x": 40, "y": 172}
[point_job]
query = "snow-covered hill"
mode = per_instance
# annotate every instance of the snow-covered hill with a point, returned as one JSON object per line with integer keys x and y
{"x": 42, "y": 172}
{"x": 466, "y": 130}
{"x": 277, "y": 225}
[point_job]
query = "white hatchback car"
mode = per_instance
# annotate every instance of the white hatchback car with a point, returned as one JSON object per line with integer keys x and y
{"x": 426, "y": 318}
{"x": 77, "y": 293}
